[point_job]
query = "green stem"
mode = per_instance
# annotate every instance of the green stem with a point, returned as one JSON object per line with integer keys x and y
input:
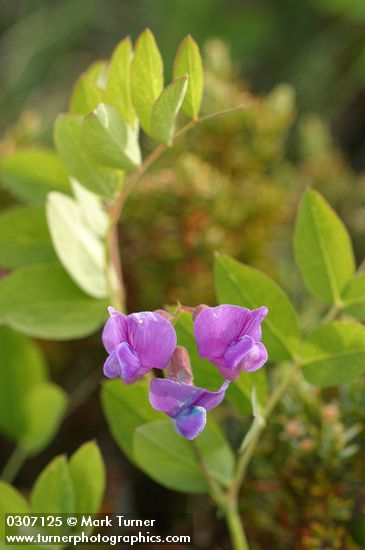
{"x": 215, "y": 490}
{"x": 136, "y": 176}
{"x": 83, "y": 391}
{"x": 13, "y": 465}
{"x": 235, "y": 527}
{"x": 113, "y": 263}
{"x": 256, "y": 431}
{"x": 331, "y": 314}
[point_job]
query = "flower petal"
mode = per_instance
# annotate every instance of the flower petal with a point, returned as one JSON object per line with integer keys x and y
{"x": 252, "y": 326}
{"x": 237, "y": 351}
{"x": 115, "y": 330}
{"x": 173, "y": 397}
{"x": 255, "y": 359}
{"x": 129, "y": 363}
{"x": 211, "y": 399}
{"x": 153, "y": 338}
{"x": 216, "y": 327}
{"x": 190, "y": 423}
{"x": 111, "y": 367}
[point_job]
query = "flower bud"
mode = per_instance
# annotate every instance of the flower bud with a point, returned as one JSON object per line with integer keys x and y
{"x": 179, "y": 368}
{"x": 163, "y": 314}
{"x": 198, "y": 309}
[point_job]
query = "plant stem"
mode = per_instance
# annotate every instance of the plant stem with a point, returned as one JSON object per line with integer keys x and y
{"x": 115, "y": 272}
{"x": 331, "y": 314}
{"x": 257, "y": 429}
{"x": 235, "y": 527}
{"x": 136, "y": 176}
{"x": 215, "y": 492}
{"x": 247, "y": 451}
{"x": 228, "y": 507}
{"x": 83, "y": 391}
{"x": 13, "y": 465}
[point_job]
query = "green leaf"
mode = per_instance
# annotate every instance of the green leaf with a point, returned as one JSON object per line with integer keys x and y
{"x": 53, "y": 491}
{"x": 129, "y": 403}
{"x": 44, "y": 407}
{"x": 207, "y": 375}
{"x": 11, "y": 501}
{"x": 110, "y": 140}
{"x": 353, "y": 297}
{"x": 87, "y": 472}
{"x": 81, "y": 252}
{"x": 91, "y": 209}
{"x": 188, "y": 62}
{"x": 216, "y": 453}
{"x": 30, "y": 174}
{"x": 334, "y": 354}
{"x": 85, "y": 96}
{"x": 241, "y": 285}
{"x": 97, "y": 72}
{"x": 323, "y": 249}
{"x": 170, "y": 459}
{"x": 165, "y": 110}
{"x": 118, "y": 85}
{"x": 69, "y": 141}
{"x": 43, "y": 302}
{"x": 22, "y": 369}
{"x": 24, "y": 238}
{"x": 146, "y": 77}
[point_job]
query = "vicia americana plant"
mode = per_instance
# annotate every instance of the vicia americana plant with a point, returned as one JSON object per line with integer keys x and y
{"x": 168, "y": 368}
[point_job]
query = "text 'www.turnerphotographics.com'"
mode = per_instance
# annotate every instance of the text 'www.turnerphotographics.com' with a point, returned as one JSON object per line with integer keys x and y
{"x": 112, "y": 529}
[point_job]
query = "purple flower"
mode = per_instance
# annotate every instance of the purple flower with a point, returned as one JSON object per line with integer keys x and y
{"x": 185, "y": 404}
{"x": 230, "y": 337}
{"x": 136, "y": 344}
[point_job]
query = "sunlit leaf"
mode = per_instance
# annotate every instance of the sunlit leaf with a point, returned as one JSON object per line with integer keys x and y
{"x": 165, "y": 110}
{"x": 323, "y": 249}
{"x": 80, "y": 164}
{"x": 146, "y": 77}
{"x": 188, "y": 62}
{"x": 110, "y": 140}
{"x": 81, "y": 252}
{"x": 118, "y": 85}
{"x": 85, "y": 96}
{"x": 334, "y": 354}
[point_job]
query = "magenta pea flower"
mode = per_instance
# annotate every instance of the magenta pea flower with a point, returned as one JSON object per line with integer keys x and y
{"x": 230, "y": 337}
{"x": 136, "y": 344}
{"x": 185, "y": 404}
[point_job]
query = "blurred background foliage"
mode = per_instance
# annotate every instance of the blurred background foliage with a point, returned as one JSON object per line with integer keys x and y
{"x": 230, "y": 185}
